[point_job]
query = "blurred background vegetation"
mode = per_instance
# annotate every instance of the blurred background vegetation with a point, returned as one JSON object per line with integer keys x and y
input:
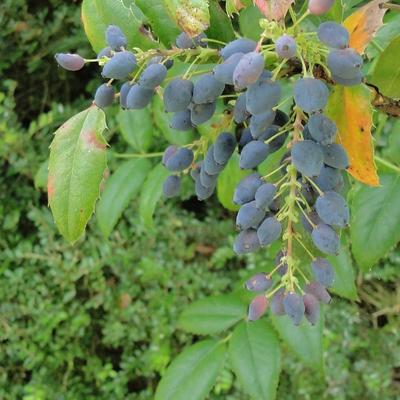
{"x": 97, "y": 320}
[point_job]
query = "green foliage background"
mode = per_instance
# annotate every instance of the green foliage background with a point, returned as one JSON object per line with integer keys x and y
{"x": 98, "y": 320}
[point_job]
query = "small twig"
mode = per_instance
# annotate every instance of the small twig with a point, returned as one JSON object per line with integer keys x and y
{"x": 305, "y": 215}
{"x": 138, "y": 155}
{"x": 274, "y": 171}
{"x": 320, "y": 192}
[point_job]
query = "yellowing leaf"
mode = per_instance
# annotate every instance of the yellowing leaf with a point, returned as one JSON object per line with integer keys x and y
{"x": 350, "y": 108}
{"x": 274, "y": 9}
{"x": 192, "y": 16}
{"x": 364, "y": 23}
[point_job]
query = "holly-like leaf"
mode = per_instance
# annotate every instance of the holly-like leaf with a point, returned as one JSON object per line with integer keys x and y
{"x": 364, "y": 23}
{"x": 137, "y": 128}
{"x": 119, "y": 189}
{"x": 193, "y": 373}
{"x": 305, "y": 340}
{"x": 76, "y": 167}
{"x": 255, "y": 356}
{"x": 344, "y": 283}
{"x": 98, "y": 14}
{"x": 375, "y": 220}
{"x": 386, "y": 75}
{"x": 274, "y": 9}
{"x": 192, "y": 16}
{"x": 151, "y": 193}
{"x": 350, "y": 108}
{"x": 220, "y": 25}
{"x": 212, "y": 314}
{"x": 248, "y": 27}
{"x": 159, "y": 19}
{"x": 227, "y": 182}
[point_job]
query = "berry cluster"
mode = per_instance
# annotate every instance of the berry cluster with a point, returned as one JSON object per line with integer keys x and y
{"x": 301, "y": 197}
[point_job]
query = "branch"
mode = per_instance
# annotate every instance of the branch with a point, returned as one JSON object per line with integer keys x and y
{"x": 385, "y": 104}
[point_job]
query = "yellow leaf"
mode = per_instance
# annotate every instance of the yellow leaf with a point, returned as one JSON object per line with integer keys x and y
{"x": 192, "y": 16}
{"x": 364, "y": 23}
{"x": 350, "y": 108}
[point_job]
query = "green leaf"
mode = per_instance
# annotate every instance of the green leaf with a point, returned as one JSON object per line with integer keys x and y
{"x": 192, "y": 16}
{"x": 375, "y": 220}
{"x": 384, "y": 35}
{"x": 392, "y": 149}
{"x": 120, "y": 188}
{"x": 255, "y": 356}
{"x": 98, "y": 14}
{"x": 335, "y": 13}
{"x": 220, "y": 24}
{"x": 228, "y": 180}
{"x": 41, "y": 175}
{"x": 344, "y": 284}
{"x": 161, "y": 119}
{"x": 305, "y": 340}
{"x": 160, "y": 21}
{"x": 212, "y": 315}
{"x": 248, "y": 22}
{"x": 137, "y": 128}
{"x": 76, "y": 167}
{"x": 193, "y": 373}
{"x": 151, "y": 194}
{"x": 386, "y": 75}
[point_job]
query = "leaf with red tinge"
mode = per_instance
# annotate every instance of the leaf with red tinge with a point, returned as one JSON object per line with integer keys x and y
{"x": 350, "y": 108}
{"x": 76, "y": 167}
{"x": 364, "y": 23}
{"x": 274, "y": 9}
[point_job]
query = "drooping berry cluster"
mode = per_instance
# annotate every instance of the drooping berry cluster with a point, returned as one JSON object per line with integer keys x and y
{"x": 299, "y": 198}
